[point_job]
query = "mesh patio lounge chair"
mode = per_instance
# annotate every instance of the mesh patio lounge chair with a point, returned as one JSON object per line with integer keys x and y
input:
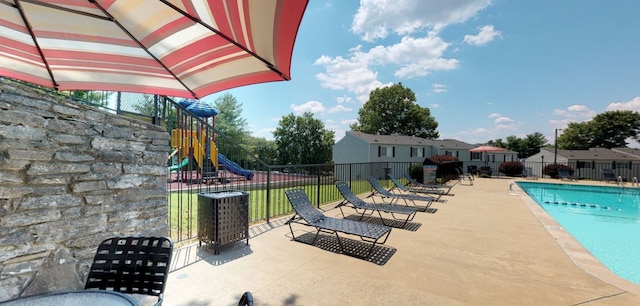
{"x": 527, "y": 173}
{"x": 398, "y": 185}
{"x": 133, "y": 265}
{"x": 445, "y": 189}
{"x": 395, "y": 198}
{"x": 350, "y": 199}
{"x": 308, "y": 215}
{"x": 464, "y": 176}
{"x": 563, "y": 174}
{"x": 609, "y": 175}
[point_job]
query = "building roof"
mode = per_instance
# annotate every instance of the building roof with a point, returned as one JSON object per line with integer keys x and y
{"x": 631, "y": 151}
{"x": 390, "y": 139}
{"x": 451, "y": 144}
{"x": 594, "y": 154}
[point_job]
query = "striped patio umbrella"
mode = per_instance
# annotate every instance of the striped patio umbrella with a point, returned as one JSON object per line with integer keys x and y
{"x": 182, "y": 48}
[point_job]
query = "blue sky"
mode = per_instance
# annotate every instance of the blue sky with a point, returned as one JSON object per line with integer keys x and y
{"x": 486, "y": 69}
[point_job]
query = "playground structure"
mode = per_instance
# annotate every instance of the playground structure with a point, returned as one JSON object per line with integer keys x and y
{"x": 194, "y": 149}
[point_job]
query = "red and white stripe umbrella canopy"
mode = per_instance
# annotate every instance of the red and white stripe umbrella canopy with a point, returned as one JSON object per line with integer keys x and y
{"x": 183, "y": 48}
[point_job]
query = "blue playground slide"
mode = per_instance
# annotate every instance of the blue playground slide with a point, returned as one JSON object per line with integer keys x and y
{"x": 234, "y": 168}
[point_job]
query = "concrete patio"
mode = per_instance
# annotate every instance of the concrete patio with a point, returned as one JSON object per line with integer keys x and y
{"x": 487, "y": 245}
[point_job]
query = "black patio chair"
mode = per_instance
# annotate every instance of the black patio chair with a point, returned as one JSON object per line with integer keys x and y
{"x": 132, "y": 265}
{"x": 246, "y": 299}
{"x": 399, "y": 185}
{"x": 394, "y": 198}
{"x": 564, "y": 174}
{"x": 609, "y": 175}
{"x": 445, "y": 189}
{"x": 464, "y": 176}
{"x": 308, "y": 215}
{"x": 527, "y": 173}
{"x": 350, "y": 199}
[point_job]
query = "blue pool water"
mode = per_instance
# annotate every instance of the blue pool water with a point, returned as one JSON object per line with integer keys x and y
{"x": 605, "y": 220}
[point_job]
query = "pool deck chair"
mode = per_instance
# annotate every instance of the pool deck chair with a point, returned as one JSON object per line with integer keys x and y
{"x": 398, "y": 185}
{"x": 527, "y": 173}
{"x": 395, "y": 198}
{"x": 308, "y": 215}
{"x": 563, "y": 174}
{"x": 350, "y": 199}
{"x": 464, "y": 176}
{"x": 609, "y": 175}
{"x": 445, "y": 189}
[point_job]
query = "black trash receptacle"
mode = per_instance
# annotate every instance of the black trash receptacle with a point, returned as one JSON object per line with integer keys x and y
{"x": 223, "y": 217}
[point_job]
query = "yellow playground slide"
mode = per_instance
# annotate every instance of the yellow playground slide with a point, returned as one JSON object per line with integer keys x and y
{"x": 184, "y": 140}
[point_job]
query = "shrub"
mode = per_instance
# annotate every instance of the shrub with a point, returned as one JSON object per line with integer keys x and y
{"x": 552, "y": 170}
{"x": 513, "y": 168}
{"x": 439, "y": 159}
{"x": 415, "y": 171}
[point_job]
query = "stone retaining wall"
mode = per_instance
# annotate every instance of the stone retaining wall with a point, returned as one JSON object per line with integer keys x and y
{"x": 71, "y": 176}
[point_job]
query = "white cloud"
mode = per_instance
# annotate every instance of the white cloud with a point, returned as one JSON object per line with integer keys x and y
{"x": 435, "y": 105}
{"x": 439, "y": 88}
{"x": 344, "y": 99}
{"x": 633, "y": 104}
{"x": 349, "y": 121}
{"x": 311, "y": 106}
{"x": 339, "y": 108}
{"x": 487, "y": 34}
{"x": 479, "y": 131}
{"x": 502, "y": 119}
{"x": 356, "y": 74}
{"x": 352, "y": 74}
{"x": 375, "y": 19}
{"x": 575, "y": 111}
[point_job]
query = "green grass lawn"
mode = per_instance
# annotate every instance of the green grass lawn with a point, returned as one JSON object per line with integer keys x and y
{"x": 183, "y": 207}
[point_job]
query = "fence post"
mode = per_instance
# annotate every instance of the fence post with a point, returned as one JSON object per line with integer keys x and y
{"x": 268, "y": 204}
{"x": 318, "y": 181}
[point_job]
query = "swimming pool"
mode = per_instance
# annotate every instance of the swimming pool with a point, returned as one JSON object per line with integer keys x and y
{"x": 605, "y": 220}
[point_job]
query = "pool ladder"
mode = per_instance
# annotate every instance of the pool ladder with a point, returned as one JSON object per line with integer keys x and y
{"x": 634, "y": 182}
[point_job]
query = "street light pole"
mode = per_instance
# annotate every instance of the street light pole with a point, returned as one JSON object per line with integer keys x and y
{"x": 555, "y": 153}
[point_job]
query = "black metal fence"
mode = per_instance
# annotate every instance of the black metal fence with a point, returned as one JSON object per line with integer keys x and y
{"x": 203, "y": 160}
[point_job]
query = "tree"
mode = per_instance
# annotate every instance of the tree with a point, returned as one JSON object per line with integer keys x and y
{"x": 610, "y": 129}
{"x": 525, "y": 147}
{"x": 303, "y": 140}
{"x": 393, "y": 110}
{"x": 230, "y": 123}
{"x": 96, "y": 98}
{"x": 265, "y": 150}
{"x": 532, "y": 144}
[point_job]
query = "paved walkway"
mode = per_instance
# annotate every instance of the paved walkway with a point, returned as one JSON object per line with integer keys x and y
{"x": 487, "y": 245}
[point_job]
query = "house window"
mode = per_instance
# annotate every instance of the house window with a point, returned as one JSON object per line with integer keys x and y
{"x": 386, "y": 151}
{"x": 583, "y": 165}
{"x": 621, "y": 165}
{"x": 417, "y": 152}
{"x": 476, "y": 155}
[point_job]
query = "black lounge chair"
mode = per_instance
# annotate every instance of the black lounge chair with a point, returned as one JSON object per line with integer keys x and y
{"x": 395, "y": 198}
{"x": 246, "y": 299}
{"x": 444, "y": 189}
{"x": 398, "y": 185}
{"x": 464, "y": 176}
{"x": 609, "y": 175}
{"x": 132, "y": 265}
{"x": 350, "y": 199}
{"x": 563, "y": 174}
{"x": 527, "y": 173}
{"x": 308, "y": 215}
